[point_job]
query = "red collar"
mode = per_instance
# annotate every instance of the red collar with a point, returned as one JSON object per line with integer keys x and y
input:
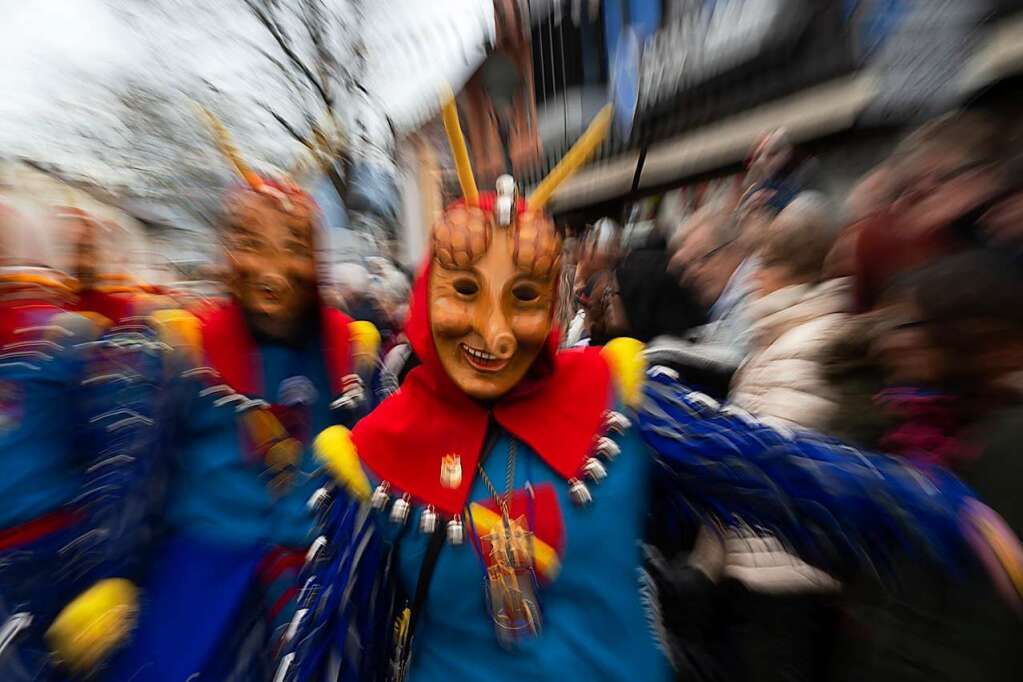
{"x": 230, "y": 349}
{"x": 115, "y": 306}
{"x": 15, "y": 315}
{"x": 557, "y": 411}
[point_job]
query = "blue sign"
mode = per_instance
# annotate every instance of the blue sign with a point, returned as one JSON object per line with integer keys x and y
{"x": 625, "y": 82}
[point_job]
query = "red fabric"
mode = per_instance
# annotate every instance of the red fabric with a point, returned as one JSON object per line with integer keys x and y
{"x": 36, "y": 529}
{"x": 557, "y": 410}
{"x": 230, "y": 349}
{"x": 885, "y": 250}
{"x": 15, "y": 315}
{"x": 114, "y": 307}
{"x": 544, "y": 519}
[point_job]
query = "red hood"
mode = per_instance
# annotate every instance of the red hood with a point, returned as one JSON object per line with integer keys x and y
{"x": 557, "y": 410}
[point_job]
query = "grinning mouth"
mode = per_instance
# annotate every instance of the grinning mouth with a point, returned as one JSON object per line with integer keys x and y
{"x": 481, "y": 360}
{"x": 268, "y": 292}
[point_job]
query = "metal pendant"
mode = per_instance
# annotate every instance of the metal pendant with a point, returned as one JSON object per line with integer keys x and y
{"x": 607, "y": 447}
{"x": 380, "y": 496}
{"x": 400, "y": 510}
{"x": 428, "y": 521}
{"x": 579, "y": 493}
{"x": 616, "y": 422}
{"x": 594, "y": 470}
{"x": 451, "y": 471}
{"x": 511, "y": 583}
{"x": 456, "y": 531}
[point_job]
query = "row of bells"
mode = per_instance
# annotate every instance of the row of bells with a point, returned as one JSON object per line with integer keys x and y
{"x": 579, "y": 492}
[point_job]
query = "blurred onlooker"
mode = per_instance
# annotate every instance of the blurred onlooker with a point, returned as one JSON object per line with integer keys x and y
{"x": 797, "y": 314}
{"x": 651, "y": 301}
{"x": 954, "y": 335}
{"x": 945, "y": 174}
{"x": 720, "y": 273}
{"x": 595, "y": 288}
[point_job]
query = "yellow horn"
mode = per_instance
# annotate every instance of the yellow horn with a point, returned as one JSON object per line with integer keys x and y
{"x": 460, "y": 152}
{"x": 573, "y": 160}
{"x": 227, "y": 148}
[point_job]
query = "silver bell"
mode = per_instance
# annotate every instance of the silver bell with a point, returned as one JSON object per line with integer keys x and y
{"x": 616, "y": 422}
{"x": 579, "y": 493}
{"x": 400, "y": 510}
{"x": 607, "y": 447}
{"x": 313, "y": 553}
{"x": 456, "y": 531}
{"x": 318, "y": 500}
{"x": 428, "y": 521}
{"x": 594, "y": 470}
{"x": 379, "y": 498}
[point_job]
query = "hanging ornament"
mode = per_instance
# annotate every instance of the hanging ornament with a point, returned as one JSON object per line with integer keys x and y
{"x": 594, "y": 470}
{"x": 616, "y": 422}
{"x": 579, "y": 493}
{"x": 607, "y": 447}
{"x": 451, "y": 471}
{"x": 428, "y": 521}
{"x": 318, "y": 500}
{"x": 379, "y": 498}
{"x": 400, "y": 510}
{"x": 456, "y": 531}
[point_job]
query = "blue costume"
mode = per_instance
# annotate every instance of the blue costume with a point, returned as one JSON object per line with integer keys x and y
{"x": 222, "y": 586}
{"x": 80, "y": 435}
{"x": 843, "y": 510}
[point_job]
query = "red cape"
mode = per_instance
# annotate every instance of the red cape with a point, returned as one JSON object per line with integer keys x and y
{"x": 231, "y": 350}
{"x": 557, "y": 410}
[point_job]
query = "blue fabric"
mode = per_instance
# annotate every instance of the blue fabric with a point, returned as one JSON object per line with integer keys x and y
{"x": 594, "y": 621}
{"x": 40, "y": 579}
{"x": 40, "y": 467}
{"x": 219, "y": 492}
{"x": 846, "y": 510}
{"x": 190, "y": 608}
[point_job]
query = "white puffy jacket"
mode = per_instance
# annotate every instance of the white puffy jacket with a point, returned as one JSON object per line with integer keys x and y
{"x": 782, "y": 381}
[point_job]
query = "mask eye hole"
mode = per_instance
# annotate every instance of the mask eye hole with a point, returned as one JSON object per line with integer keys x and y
{"x": 526, "y": 293}
{"x": 466, "y": 286}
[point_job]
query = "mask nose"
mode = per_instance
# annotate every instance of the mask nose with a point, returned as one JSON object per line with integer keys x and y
{"x": 500, "y": 340}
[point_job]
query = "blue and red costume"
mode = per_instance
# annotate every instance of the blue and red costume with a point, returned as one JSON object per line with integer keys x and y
{"x": 223, "y": 583}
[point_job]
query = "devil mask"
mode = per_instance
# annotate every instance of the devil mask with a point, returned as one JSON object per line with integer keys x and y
{"x": 491, "y": 296}
{"x": 270, "y": 250}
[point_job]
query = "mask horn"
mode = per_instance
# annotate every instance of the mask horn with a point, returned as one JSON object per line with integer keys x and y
{"x": 459, "y": 151}
{"x": 573, "y": 160}
{"x": 227, "y": 148}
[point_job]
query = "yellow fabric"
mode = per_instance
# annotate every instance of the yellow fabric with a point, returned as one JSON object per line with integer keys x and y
{"x": 365, "y": 342}
{"x": 545, "y": 557}
{"x": 1006, "y": 549}
{"x": 101, "y": 321}
{"x": 94, "y": 623}
{"x": 628, "y": 366}
{"x": 46, "y": 281}
{"x": 334, "y": 447}
{"x": 181, "y": 330}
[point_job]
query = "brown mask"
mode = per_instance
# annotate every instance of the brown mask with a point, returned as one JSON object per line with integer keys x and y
{"x": 491, "y": 296}
{"x": 272, "y": 266}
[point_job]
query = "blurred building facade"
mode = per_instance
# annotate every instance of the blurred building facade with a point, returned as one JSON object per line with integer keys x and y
{"x": 696, "y": 82}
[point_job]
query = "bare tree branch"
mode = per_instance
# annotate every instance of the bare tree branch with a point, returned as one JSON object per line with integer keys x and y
{"x": 264, "y": 17}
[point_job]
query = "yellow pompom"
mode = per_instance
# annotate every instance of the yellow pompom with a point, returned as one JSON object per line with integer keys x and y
{"x": 365, "y": 342}
{"x": 180, "y": 330}
{"x": 334, "y": 447}
{"x": 94, "y": 623}
{"x": 628, "y": 366}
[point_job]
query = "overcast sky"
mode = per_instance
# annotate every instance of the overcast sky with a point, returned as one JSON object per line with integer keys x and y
{"x": 62, "y": 60}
